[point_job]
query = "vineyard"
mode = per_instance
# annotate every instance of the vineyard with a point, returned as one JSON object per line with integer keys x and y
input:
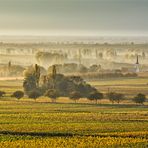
{"x": 28, "y": 123}
{"x": 34, "y": 124}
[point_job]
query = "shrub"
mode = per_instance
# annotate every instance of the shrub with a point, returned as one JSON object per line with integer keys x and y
{"x": 18, "y": 94}
{"x": 2, "y": 93}
{"x": 52, "y": 93}
{"x": 140, "y": 98}
{"x": 34, "y": 94}
{"x": 95, "y": 96}
{"x": 75, "y": 96}
{"x": 115, "y": 97}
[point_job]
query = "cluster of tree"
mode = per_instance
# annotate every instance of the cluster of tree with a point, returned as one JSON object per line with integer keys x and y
{"x": 105, "y": 75}
{"x": 56, "y": 85}
{"x": 134, "y": 55}
{"x": 76, "y": 68}
{"x": 92, "y": 72}
{"x": 29, "y": 70}
{"x": 111, "y": 53}
{"x": 70, "y": 68}
{"x": 47, "y": 58}
{"x": 118, "y": 97}
{"x": 36, "y": 85}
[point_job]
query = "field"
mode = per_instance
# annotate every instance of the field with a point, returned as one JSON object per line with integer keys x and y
{"x": 35, "y": 124}
{"x": 128, "y": 86}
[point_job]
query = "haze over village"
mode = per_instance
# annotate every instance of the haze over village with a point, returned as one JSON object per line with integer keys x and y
{"x": 74, "y": 57}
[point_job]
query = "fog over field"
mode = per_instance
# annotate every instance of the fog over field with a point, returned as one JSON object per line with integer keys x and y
{"x": 110, "y": 52}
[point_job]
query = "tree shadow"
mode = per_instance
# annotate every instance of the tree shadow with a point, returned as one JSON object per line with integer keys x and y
{"x": 36, "y": 134}
{"x": 45, "y": 134}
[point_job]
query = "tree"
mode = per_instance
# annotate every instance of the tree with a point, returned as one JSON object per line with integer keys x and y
{"x": 34, "y": 94}
{"x": 119, "y": 97}
{"x": 82, "y": 68}
{"x": 45, "y": 58}
{"x": 18, "y": 94}
{"x": 52, "y": 93}
{"x": 95, "y": 96}
{"x": 54, "y": 71}
{"x": 9, "y": 66}
{"x": 140, "y": 98}
{"x": 94, "y": 68}
{"x": 115, "y": 97}
{"x": 29, "y": 83}
{"x": 37, "y": 74}
{"x": 75, "y": 96}
{"x": 32, "y": 78}
{"x": 101, "y": 55}
{"x": 2, "y": 93}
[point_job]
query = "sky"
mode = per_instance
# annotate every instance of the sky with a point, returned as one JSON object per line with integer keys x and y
{"x": 74, "y": 17}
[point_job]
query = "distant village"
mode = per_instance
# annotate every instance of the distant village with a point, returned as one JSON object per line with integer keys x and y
{"x": 90, "y": 61}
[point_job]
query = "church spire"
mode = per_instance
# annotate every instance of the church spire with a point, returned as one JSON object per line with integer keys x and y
{"x": 137, "y": 60}
{"x": 137, "y": 65}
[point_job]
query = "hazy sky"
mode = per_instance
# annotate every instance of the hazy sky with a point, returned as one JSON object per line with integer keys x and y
{"x": 74, "y": 17}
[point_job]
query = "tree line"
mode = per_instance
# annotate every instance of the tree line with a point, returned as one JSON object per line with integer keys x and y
{"x": 75, "y": 96}
{"x": 54, "y": 85}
